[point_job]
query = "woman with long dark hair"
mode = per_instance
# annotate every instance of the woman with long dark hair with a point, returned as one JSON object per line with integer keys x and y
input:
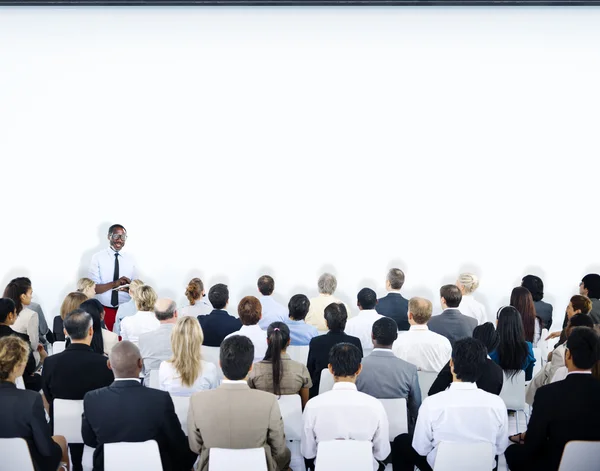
{"x": 522, "y": 301}
{"x": 278, "y": 373}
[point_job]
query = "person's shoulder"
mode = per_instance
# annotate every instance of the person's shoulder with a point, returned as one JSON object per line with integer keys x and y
{"x": 352, "y": 339}
{"x": 95, "y": 395}
{"x": 207, "y": 366}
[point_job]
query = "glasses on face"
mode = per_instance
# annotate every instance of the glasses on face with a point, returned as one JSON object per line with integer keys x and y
{"x": 118, "y": 236}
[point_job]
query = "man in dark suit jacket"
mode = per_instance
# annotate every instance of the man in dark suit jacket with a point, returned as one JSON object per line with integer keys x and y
{"x": 564, "y": 411}
{"x": 451, "y": 323}
{"x": 318, "y": 351}
{"x": 142, "y": 414}
{"x": 218, "y": 324}
{"x": 543, "y": 310}
{"x": 394, "y": 305}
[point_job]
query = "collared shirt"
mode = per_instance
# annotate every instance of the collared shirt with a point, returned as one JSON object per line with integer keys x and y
{"x": 102, "y": 270}
{"x": 155, "y": 347}
{"x": 140, "y": 323}
{"x": 300, "y": 332}
{"x": 316, "y": 312}
{"x": 345, "y": 414}
{"x": 129, "y": 379}
{"x": 200, "y": 308}
{"x": 294, "y": 376}
{"x": 272, "y": 311}
{"x": 361, "y": 326}
{"x": 473, "y": 308}
{"x": 258, "y": 337}
{"x": 235, "y": 381}
{"x": 462, "y": 413}
{"x": 169, "y": 379}
{"x": 426, "y": 350}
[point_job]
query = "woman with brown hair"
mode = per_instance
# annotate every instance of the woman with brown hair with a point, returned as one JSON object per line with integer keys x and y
{"x": 71, "y": 302}
{"x": 522, "y": 301}
{"x": 195, "y": 294}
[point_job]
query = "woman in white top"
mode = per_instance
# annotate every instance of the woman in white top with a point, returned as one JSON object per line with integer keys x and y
{"x": 195, "y": 294}
{"x": 467, "y": 284}
{"x": 144, "y": 319}
{"x": 129, "y": 308}
{"x": 87, "y": 287}
{"x": 186, "y": 373}
{"x": 28, "y": 322}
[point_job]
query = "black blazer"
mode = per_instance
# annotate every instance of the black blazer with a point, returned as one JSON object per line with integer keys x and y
{"x": 22, "y": 416}
{"x": 453, "y": 325}
{"x": 543, "y": 310}
{"x": 126, "y": 411}
{"x": 57, "y": 329}
{"x": 32, "y": 381}
{"x": 395, "y": 306}
{"x": 491, "y": 380}
{"x": 217, "y": 325}
{"x": 318, "y": 354}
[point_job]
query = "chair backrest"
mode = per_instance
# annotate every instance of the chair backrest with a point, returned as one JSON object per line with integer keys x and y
{"x": 513, "y": 391}
{"x": 298, "y": 353}
{"x": 543, "y": 344}
{"x": 291, "y": 412}
{"x": 67, "y": 419}
{"x": 579, "y": 456}
{"x": 397, "y": 416}
{"x": 221, "y": 459}
{"x": 182, "y": 404}
{"x": 426, "y": 379}
{"x": 15, "y": 455}
{"x": 20, "y": 383}
{"x": 153, "y": 380}
{"x": 58, "y": 347}
{"x": 128, "y": 456}
{"x": 327, "y": 382}
{"x": 537, "y": 353}
{"x": 451, "y": 456}
{"x": 347, "y": 455}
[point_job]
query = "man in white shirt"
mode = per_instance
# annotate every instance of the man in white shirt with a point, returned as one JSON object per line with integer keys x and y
{"x": 110, "y": 269}
{"x": 344, "y": 413}
{"x": 250, "y": 313}
{"x": 426, "y": 350}
{"x": 272, "y": 311}
{"x": 155, "y": 346}
{"x": 463, "y": 414}
{"x": 327, "y": 285}
{"x": 361, "y": 326}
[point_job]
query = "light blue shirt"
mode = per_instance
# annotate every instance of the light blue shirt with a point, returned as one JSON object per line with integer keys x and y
{"x": 126, "y": 309}
{"x": 301, "y": 332}
{"x": 272, "y": 311}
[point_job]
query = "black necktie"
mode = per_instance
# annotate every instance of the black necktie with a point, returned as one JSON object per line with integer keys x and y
{"x": 114, "y": 298}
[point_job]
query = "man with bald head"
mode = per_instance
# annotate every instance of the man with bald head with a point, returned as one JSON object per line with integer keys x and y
{"x": 142, "y": 414}
{"x": 155, "y": 346}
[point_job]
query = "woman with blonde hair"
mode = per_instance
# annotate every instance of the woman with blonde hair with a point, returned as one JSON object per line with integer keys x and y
{"x": 186, "y": 372}
{"x": 87, "y": 287}
{"x": 144, "y": 319}
{"x": 129, "y": 308}
{"x": 28, "y": 322}
{"x": 195, "y": 295}
{"x": 467, "y": 283}
{"x": 71, "y": 302}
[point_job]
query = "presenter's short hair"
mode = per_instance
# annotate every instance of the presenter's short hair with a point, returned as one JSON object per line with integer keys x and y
{"x": 114, "y": 227}
{"x": 218, "y": 295}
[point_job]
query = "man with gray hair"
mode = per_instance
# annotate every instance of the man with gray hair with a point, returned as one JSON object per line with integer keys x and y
{"x": 394, "y": 305}
{"x": 327, "y": 285}
{"x": 155, "y": 346}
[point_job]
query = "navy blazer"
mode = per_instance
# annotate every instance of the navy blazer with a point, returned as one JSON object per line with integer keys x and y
{"x": 543, "y": 310}
{"x": 394, "y": 306}
{"x": 217, "y": 325}
{"x": 453, "y": 325}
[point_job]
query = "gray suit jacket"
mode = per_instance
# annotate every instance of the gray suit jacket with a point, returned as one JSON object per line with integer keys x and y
{"x": 453, "y": 325}
{"x": 385, "y": 376}
{"x": 155, "y": 347}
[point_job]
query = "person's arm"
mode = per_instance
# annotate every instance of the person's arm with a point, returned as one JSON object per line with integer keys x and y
{"x": 46, "y": 375}
{"x": 306, "y": 385}
{"x": 42, "y": 438}
{"x": 443, "y": 380}
{"x": 87, "y": 432}
{"x": 124, "y": 329}
{"x": 423, "y": 436}
{"x": 414, "y": 401}
{"x": 33, "y": 330}
{"x": 304, "y": 396}
{"x": 194, "y": 435}
{"x": 502, "y": 433}
{"x": 276, "y": 438}
{"x": 536, "y": 436}
{"x": 308, "y": 443}
{"x": 381, "y": 439}
{"x": 178, "y": 447}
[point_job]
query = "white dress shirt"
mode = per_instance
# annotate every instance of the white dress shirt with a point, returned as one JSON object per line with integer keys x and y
{"x": 316, "y": 312}
{"x": 462, "y": 413}
{"x": 140, "y": 323}
{"x": 423, "y": 348}
{"x": 170, "y": 380}
{"x": 258, "y": 337}
{"x": 361, "y": 326}
{"x": 102, "y": 269}
{"x": 200, "y": 308}
{"x": 469, "y": 306}
{"x": 272, "y": 311}
{"x": 345, "y": 414}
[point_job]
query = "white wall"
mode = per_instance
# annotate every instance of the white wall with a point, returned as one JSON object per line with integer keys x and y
{"x": 233, "y": 142}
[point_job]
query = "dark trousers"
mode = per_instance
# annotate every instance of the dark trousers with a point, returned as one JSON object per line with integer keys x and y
{"x": 516, "y": 459}
{"x": 404, "y": 456}
{"x": 76, "y": 456}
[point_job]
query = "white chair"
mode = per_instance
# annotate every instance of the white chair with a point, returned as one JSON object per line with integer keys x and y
{"x": 452, "y": 456}
{"x": 346, "y": 455}
{"x": 580, "y": 456}
{"x": 543, "y": 345}
{"x": 58, "y": 347}
{"x": 15, "y": 455}
{"x": 426, "y": 379}
{"x": 128, "y": 456}
{"x": 539, "y": 362}
{"x": 20, "y": 383}
{"x": 327, "y": 382}
{"x": 153, "y": 380}
{"x": 67, "y": 419}
{"x": 221, "y": 459}
{"x": 182, "y": 405}
{"x": 291, "y": 412}
{"x": 397, "y": 415}
{"x": 298, "y": 353}
{"x": 513, "y": 395}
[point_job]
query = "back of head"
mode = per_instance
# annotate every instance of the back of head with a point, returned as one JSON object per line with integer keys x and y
{"x": 125, "y": 360}
{"x": 591, "y": 282}
{"x": 298, "y": 307}
{"x": 396, "y": 278}
{"x": 469, "y": 359}
{"x": 134, "y": 287}
{"x": 84, "y": 284}
{"x": 236, "y": 357}
{"x": 145, "y": 298}
{"x": 344, "y": 359}
{"x": 327, "y": 283}
{"x": 367, "y": 298}
{"x": 336, "y": 317}
{"x": 218, "y": 295}
{"x": 95, "y": 309}
{"x": 535, "y": 285}
{"x": 522, "y": 300}
{"x": 487, "y": 334}
{"x": 13, "y": 352}
{"x": 385, "y": 332}
{"x": 421, "y": 309}
{"x": 584, "y": 347}
{"x": 451, "y": 295}
{"x": 249, "y": 310}
{"x": 278, "y": 338}
{"x": 164, "y": 309}
{"x": 581, "y": 320}
{"x": 186, "y": 343}
{"x": 71, "y": 302}
{"x": 581, "y": 303}
{"x": 469, "y": 281}
{"x": 194, "y": 290}
{"x": 512, "y": 349}
{"x": 77, "y": 324}
{"x": 266, "y": 285}
{"x": 15, "y": 289}
{"x": 7, "y": 306}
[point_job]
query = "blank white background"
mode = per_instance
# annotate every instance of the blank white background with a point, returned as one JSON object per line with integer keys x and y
{"x": 233, "y": 142}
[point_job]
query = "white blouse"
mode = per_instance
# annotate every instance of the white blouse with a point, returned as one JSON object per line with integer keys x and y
{"x": 28, "y": 323}
{"x": 170, "y": 380}
{"x": 201, "y": 308}
{"x": 140, "y": 323}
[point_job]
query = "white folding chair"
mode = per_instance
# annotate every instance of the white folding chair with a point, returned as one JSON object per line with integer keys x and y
{"x": 327, "y": 382}
{"x": 513, "y": 395}
{"x": 426, "y": 379}
{"x": 153, "y": 380}
{"x": 20, "y": 383}
{"x": 58, "y": 347}
{"x": 451, "y": 456}
{"x": 397, "y": 415}
{"x": 67, "y": 419}
{"x": 291, "y": 412}
{"x": 537, "y": 352}
{"x": 15, "y": 455}
{"x": 347, "y": 455}
{"x": 221, "y": 459}
{"x": 298, "y": 353}
{"x": 543, "y": 346}
{"x": 182, "y": 405}
{"x": 127, "y": 456}
{"x": 580, "y": 456}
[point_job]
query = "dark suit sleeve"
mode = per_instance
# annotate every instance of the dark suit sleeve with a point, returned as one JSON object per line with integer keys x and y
{"x": 46, "y": 375}
{"x": 356, "y": 341}
{"x": 57, "y": 329}
{"x": 443, "y": 380}
{"x": 40, "y": 429}
{"x": 311, "y": 363}
{"x": 536, "y": 437}
{"x": 177, "y": 443}
{"x": 87, "y": 432}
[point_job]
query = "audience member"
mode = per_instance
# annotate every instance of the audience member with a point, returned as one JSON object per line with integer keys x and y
{"x": 155, "y": 346}
{"x": 272, "y": 311}
{"x": 144, "y": 319}
{"x": 249, "y": 310}
{"x": 578, "y": 304}
{"x": 420, "y": 346}
{"x": 195, "y": 295}
{"x": 344, "y": 413}
{"x": 103, "y": 340}
{"x": 491, "y": 378}
{"x": 87, "y": 287}
{"x": 361, "y": 326}
{"x": 522, "y": 301}
{"x": 71, "y": 302}
{"x": 218, "y": 324}
{"x": 514, "y": 353}
{"x": 386, "y": 376}
{"x": 186, "y": 372}
{"x": 22, "y": 412}
{"x": 278, "y": 373}
{"x": 130, "y": 307}
{"x": 336, "y": 317}
{"x": 247, "y": 418}
{"x": 590, "y": 287}
{"x": 451, "y": 323}
{"x": 20, "y": 291}
{"x": 467, "y": 283}
{"x": 463, "y": 413}
{"x": 535, "y": 285}
{"x": 301, "y": 333}
{"x": 143, "y": 414}
{"x": 394, "y": 305}
{"x": 44, "y": 331}
{"x": 327, "y": 285}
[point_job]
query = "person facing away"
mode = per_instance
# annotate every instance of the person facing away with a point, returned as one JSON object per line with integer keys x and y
{"x": 130, "y": 307}
{"x": 272, "y": 311}
{"x": 144, "y": 414}
{"x": 564, "y": 411}
{"x": 467, "y": 283}
{"x": 451, "y": 323}
{"x": 186, "y": 372}
{"x": 420, "y": 346}
{"x": 71, "y": 302}
{"x": 103, "y": 340}
{"x": 327, "y": 285}
{"x": 535, "y": 285}
{"x": 144, "y": 319}
{"x": 590, "y": 287}
{"x": 155, "y": 346}
{"x": 361, "y": 326}
{"x": 301, "y": 333}
{"x": 344, "y": 413}
{"x": 249, "y": 310}
{"x": 278, "y": 373}
{"x": 318, "y": 352}
{"x": 522, "y": 301}
{"x": 463, "y": 413}
{"x": 218, "y": 324}
{"x": 21, "y": 292}
{"x": 87, "y": 287}
{"x": 195, "y": 295}
{"x": 247, "y": 418}
{"x": 43, "y": 329}
{"x": 386, "y": 376}
{"x": 394, "y": 305}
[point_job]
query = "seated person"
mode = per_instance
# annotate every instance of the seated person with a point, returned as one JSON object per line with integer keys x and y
{"x": 578, "y": 304}
{"x": 361, "y": 326}
{"x": 250, "y": 312}
{"x": 301, "y": 333}
{"x": 463, "y": 413}
{"x": 271, "y": 310}
{"x": 155, "y": 346}
{"x": 218, "y": 324}
{"x": 144, "y": 319}
{"x": 278, "y": 373}
{"x": 71, "y": 302}
{"x": 451, "y": 323}
{"x": 103, "y": 340}
{"x": 327, "y": 285}
{"x": 129, "y": 308}
{"x": 247, "y": 418}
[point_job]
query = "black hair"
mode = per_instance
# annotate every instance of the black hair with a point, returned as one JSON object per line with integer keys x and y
{"x": 77, "y": 323}
{"x": 591, "y": 282}
{"x": 218, "y": 295}
{"x": 584, "y": 347}
{"x": 266, "y": 285}
{"x": 298, "y": 307}
{"x": 367, "y": 298}
{"x": 487, "y": 334}
{"x": 535, "y": 285}
{"x": 7, "y": 306}
{"x": 581, "y": 320}
{"x": 236, "y": 356}
{"x": 112, "y": 228}
{"x": 512, "y": 349}
{"x": 344, "y": 359}
{"x": 452, "y": 295}
{"x": 15, "y": 289}
{"x": 385, "y": 331}
{"x": 278, "y": 337}
{"x": 94, "y": 308}
{"x": 469, "y": 356}
{"x": 336, "y": 317}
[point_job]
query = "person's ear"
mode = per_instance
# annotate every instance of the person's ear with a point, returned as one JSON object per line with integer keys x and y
{"x": 91, "y": 331}
{"x": 251, "y": 366}
{"x": 451, "y": 365}
{"x": 140, "y": 363}
{"x": 175, "y": 314}
{"x": 330, "y": 368}
{"x": 359, "y": 369}
{"x": 109, "y": 365}
{"x": 373, "y": 337}
{"x": 65, "y": 332}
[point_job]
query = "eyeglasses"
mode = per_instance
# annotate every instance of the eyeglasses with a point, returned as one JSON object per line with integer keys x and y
{"x": 118, "y": 236}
